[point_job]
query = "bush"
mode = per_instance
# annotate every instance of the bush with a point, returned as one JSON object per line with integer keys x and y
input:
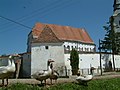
{"x": 74, "y": 61}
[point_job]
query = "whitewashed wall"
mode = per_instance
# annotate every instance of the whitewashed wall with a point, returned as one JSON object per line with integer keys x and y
{"x": 88, "y": 60}
{"x": 93, "y": 60}
{"x": 40, "y": 55}
{"x": 117, "y": 61}
{"x": 39, "y": 60}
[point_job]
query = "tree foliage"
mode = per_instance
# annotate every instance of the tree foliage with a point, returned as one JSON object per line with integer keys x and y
{"x": 111, "y": 40}
{"x": 74, "y": 61}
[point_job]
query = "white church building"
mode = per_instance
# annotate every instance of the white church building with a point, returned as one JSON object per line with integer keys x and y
{"x": 49, "y": 41}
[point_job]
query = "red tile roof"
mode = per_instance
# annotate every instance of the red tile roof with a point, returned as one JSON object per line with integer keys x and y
{"x": 37, "y": 29}
{"x": 63, "y": 33}
{"x": 47, "y": 35}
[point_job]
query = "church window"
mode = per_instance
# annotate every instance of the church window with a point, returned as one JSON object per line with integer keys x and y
{"x": 75, "y": 47}
{"x": 68, "y": 47}
{"x": 82, "y": 49}
{"x": 46, "y": 47}
{"x": 72, "y": 47}
{"x": 65, "y": 47}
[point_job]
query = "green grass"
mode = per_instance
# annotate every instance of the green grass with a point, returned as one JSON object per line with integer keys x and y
{"x": 20, "y": 86}
{"x": 103, "y": 84}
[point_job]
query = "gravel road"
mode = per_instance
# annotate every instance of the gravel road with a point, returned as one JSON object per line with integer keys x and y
{"x": 60, "y": 80}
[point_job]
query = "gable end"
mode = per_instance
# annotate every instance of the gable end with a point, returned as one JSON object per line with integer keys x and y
{"x": 47, "y": 36}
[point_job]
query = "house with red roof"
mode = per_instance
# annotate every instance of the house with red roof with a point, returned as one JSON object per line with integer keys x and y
{"x": 49, "y": 41}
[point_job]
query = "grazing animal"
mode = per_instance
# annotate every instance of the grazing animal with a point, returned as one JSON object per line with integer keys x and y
{"x": 54, "y": 76}
{"x": 84, "y": 79}
{"x": 45, "y": 74}
{"x": 7, "y": 71}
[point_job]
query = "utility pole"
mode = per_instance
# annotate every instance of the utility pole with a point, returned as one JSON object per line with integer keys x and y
{"x": 100, "y": 56}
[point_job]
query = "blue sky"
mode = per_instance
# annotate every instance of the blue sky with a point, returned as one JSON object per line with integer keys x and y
{"x": 89, "y": 14}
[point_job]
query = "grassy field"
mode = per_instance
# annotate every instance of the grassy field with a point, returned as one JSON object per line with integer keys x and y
{"x": 103, "y": 84}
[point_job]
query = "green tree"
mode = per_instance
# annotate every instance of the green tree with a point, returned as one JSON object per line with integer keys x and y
{"x": 111, "y": 40}
{"x": 74, "y": 61}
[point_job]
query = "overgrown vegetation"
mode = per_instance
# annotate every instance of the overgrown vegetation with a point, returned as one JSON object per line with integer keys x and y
{"x": 74, "y": 61}
{"x": 104, "y": 84}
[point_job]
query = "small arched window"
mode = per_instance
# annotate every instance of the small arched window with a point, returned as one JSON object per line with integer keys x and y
{"x": 68, "y": 47}
{"x": 82, "y": 49}
{"x": 72, "y": 47}
{"x": 46, "y": 47}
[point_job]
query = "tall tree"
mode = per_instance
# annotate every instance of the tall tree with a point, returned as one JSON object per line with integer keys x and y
{"x": 111, "y": 40}
{"x": 74, "y": 61}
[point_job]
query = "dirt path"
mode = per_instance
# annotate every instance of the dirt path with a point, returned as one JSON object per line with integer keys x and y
{"x": 60, "y": 80}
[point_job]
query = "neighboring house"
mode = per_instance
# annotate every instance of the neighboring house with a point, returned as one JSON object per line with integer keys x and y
{"x": 49, "y": 41}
